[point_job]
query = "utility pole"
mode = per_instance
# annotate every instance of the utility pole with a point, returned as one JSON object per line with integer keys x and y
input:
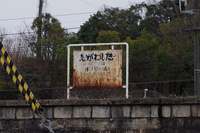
{"x": 196, "y": 48}
{"x": 196, "y": 29}
{"x": 39, "y": 32}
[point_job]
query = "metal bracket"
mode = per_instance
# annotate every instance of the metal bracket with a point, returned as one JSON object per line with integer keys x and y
{"x": 188, "y": 11}
{"x": 46, "y": 123}
{"x": 190, "y": 29}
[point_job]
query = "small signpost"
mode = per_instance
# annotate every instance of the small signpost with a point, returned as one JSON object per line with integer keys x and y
{"x": 97, "y": 68}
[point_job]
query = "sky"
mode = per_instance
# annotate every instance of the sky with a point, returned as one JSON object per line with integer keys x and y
{"x": 18, "y": 14}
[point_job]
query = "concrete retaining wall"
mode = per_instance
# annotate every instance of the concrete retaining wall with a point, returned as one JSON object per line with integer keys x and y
{"x": 164, "y": 115}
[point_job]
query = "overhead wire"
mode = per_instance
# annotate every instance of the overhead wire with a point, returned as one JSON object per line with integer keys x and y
{"x": 32, "y": 32}
{"x": 90, "y": 4}
{"x": 52, "y": 15}
{"x": 74, "y": 14}
{"x": 171, "y": 29}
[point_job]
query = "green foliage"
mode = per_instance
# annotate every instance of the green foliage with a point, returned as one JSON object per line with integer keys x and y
{"x": 175, "y": 56}
{"x": 3, "y": 84}
{"x": 124, "y": 21}
{"x": 53, "y": 37}
{"x": 142, "y": 53}
{"x": 71, "y": 38}
{"x": 187, "y": 92}
{"x": 53, "y": 46}
{"x": 172, "y": 96}
{"x": 108, "y": 36}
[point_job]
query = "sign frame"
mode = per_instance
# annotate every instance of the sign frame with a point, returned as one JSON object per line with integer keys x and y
{"x": 97, "y": 44}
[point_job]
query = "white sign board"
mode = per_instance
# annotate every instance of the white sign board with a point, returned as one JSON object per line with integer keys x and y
{"x": 97, "y": 69}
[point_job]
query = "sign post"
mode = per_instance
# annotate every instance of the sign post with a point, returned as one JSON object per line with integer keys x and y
{"x": 97, "y": 68}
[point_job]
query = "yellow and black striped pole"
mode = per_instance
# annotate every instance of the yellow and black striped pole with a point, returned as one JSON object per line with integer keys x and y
{"x": 17, "y": 78}
{"x": 12, "y": 71}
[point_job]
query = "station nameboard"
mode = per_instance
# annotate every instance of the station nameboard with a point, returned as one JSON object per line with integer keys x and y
{"x": 97, "y": 69}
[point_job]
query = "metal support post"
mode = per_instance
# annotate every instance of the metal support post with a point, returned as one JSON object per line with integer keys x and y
{"x": 196, "y": 48}
{"x": 68, "y": 71}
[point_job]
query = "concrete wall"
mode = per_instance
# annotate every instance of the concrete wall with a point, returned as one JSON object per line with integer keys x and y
{"x": 163, "y": 115}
